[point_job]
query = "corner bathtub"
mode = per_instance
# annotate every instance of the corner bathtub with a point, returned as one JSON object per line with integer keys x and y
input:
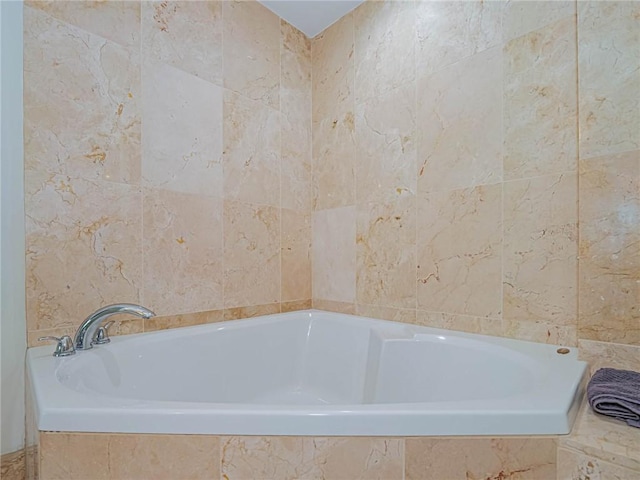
{"x": 308, "y": 373}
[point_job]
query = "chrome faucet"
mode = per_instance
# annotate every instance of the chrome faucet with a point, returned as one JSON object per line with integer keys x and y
{"x": 90, "y": 332}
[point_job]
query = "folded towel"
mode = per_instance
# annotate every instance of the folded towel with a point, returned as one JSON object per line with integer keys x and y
{"x": 616, "y": 393}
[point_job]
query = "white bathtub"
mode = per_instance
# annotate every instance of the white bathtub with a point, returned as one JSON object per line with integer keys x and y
{"x": 309, "y": 373}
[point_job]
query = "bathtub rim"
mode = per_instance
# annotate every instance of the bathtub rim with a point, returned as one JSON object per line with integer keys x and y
{"x": 446, "y": 420}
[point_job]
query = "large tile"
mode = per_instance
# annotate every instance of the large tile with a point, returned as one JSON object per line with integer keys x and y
{"x": 251, "y": 158}
{"x": 540, "y": 102}
{"x": 251, "y": 254}
{"x": 83, "y": 245}
{"x": 311, "y": 458}
{"x": 386, "y": 253}
{"x": 386, "y": 147}
{"x": 404, "y": 315}
{"x": 295, "y": 106}
{"x": 142, "y": 457}
{"x": 471, "y": 458}
{"x": 604, "y": 438}
{"x": 74, "y": 456}
{"x": 333, "y": 306}
{"x": 540, "y": 331}
{"x": 113, "y": 20}
{"x": 459, "y": 251}
{"x": 251, "y": 51}
{"x": 606, "y": 354}
{"x": 459, "y": 122}
{"x": 384, "y": 47}
{"x": 185, "y": 35}
{"x": 238, "y": 313}
{"x": 334, "y": 162}
{"x": 610, "y": 248}
{"x": 609, "y": 84}
{"x": 447, "y": 32}
{"x": 181, "y": 131}
{"x": 576, "y": 466}
{"x": 81, "y": 102}
{"x": 461, "y": 323}
{"x": 540, "y": 252}
{"x": 522, "y": 17}
{"x": 334, "y": 70}
{"x": 163, "y": 322}
{"x": 183, "y": 255}
{"x": 334, "y": 254}
{"x": 296, "y": 255}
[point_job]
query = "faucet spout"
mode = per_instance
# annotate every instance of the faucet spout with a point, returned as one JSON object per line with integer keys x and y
{"x": 84, "y": 337}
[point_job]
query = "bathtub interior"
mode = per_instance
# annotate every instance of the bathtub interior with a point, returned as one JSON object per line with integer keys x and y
{"x": 293, "y": 360}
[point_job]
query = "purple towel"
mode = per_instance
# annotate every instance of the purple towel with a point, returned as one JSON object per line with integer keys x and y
{"x": 616, "y": 393}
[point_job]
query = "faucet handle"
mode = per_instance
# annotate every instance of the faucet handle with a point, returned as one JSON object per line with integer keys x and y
{"x": 64, "y": 348}
{"x": 102, "y": 335}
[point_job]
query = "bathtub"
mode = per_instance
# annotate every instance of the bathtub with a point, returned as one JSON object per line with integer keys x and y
{"x": 309, "y": 373}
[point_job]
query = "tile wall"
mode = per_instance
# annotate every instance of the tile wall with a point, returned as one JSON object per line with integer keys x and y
{"x": 477, "y": 167}
{"x": 167, "y": 162}
{"x": 74, "y": 456}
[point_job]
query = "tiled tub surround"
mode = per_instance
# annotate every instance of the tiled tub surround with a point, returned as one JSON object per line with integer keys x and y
{"x": 534, "y": 143}
{"x": 456, "y": 146}
{"x": 309, "y": 373}
{"x": 167, "y": 162}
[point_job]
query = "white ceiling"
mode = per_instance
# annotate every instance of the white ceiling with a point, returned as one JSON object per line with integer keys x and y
{"x": 311, "y": 16}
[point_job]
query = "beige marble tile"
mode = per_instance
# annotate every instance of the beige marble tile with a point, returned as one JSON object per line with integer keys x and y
{"x": 83, "y": 247}
{"x": 334, "y": 70}
{"x": 13, "y": 465}
{"x": 386, "y": 253}
{"x": 604, "y": 438}
{"x": 251, "y": 254}
{"x": 540, "y": 331}
{"x": 386, "y": 147}
{"x": 540, "y": 101}
{"x": 450, "y": 31}
{"x": 295, "y": 106}
{"x": 607, "y": 354}
{"x": 334, "y": 254}
{"x": 182, "y": 252}
{"x": 164, "y": 322}
{"x": 576, "y": 466}
{"x": 404, "y": 315}
{"x": 181, "y": 132}
{"x": 185, "y": 35}
{"x": 523, "y": 16}
{"x": 454, "y": 105}
{"x": 296, "y": 305}
{"x": 609, "y": 84}
{"x": 610, "y": 248}
{"x": 461, "y": 323}
{"x": 311, "y": 458}
{"x": 251, "y": 157}
{"x": 163, "y": 457}
{"x": 252, "y": 311}
{"x": 476, "y": 458}
{"x": 384, "y": 47}
{"x": 81, "y": 102}
{"x": 334, "y": 162}
{"x": 459, "y": 245}
{"x": 296, "y": 255}
{"x": 540, "y": 250}
{"x": 113, "y": 20}
{"x": 251, "y": 51}
{"x": 333, "y": 306}
{"x": 74, "y": 456}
